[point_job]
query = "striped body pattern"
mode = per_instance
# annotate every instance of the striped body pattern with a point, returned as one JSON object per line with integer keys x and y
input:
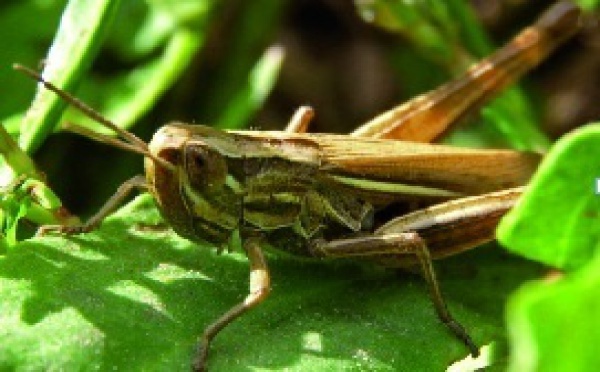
{"x": 229, "y": 182}
{"x": 294, "y": 189}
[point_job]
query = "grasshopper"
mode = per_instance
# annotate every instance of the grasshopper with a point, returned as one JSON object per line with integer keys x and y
{"x": 330, "y": 196}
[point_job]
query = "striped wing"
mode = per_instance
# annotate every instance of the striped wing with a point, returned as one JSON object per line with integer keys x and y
{"x": 397, "y": 167}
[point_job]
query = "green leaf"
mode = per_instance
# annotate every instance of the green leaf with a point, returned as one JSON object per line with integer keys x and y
{"x": 14, "y": 161}
{"x": 13, "y": 209}
{"x": 242, "y": 78}
{"x": 557, "y": 220}
{"x": 82, "y": 29}
{"x": 553, "y": 324}
{"x": 30, "y": 199}
{"x": 588, "y": 5}
{"x": 23, "y": 34}
{"x": 158, "y": 39}
{"x": 134, "y": 296}
{"x": 251, "y": 97}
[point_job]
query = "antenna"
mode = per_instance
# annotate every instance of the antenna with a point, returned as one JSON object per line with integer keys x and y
{"x": 132, "y": 142}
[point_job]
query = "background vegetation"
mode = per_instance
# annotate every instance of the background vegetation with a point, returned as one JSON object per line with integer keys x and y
{"x": 135, "y": 296}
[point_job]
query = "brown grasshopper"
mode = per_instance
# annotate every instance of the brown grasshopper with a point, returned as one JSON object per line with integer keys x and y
{"x": 327, "y": 196}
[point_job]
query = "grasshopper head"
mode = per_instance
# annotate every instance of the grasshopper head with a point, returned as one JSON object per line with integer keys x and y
{"x": 195, "y": 197}
{"x": 197, "y": 164}
{"x": 187, "y": 176}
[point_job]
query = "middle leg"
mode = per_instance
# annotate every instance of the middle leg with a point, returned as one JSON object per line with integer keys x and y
{"x": 405, "y": 243}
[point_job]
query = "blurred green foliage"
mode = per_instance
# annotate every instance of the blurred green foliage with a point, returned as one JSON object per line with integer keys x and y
{"x": 156, "y": 41}
{"x": 448, "y": 35}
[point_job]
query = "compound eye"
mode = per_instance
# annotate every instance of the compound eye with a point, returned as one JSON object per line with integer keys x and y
{"x": 171, "y": 155}
{"x": 206, "y": 170}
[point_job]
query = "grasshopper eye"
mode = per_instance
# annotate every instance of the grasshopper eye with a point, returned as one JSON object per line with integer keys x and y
{"x": 172, "y": 156}
{"x": 206, "y": 170}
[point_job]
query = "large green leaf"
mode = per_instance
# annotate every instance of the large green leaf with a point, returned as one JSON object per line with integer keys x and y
{"x": 553, "y": 323}
{"x": 557, "y": 221}
{"x": 133, "y": 296}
